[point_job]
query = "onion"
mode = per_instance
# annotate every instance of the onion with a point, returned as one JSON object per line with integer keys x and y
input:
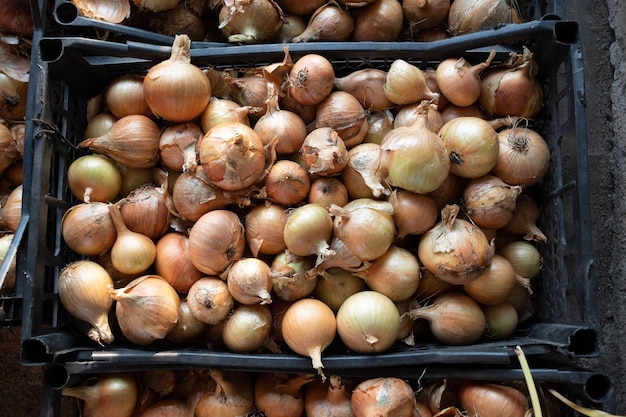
{"x": 311, "y": 79}
{"x": 250, "y": 21}
{"x": 415, "y": 158}
{"x": 367, "y": 86}
{"x": 368, "y": 322}
{"x": 383, "y": 396}
{"x": 335, "y": 285}
{"x": 146, "y": 210}
{"x": 124, "y": 96}
{"x": 524, "y": 220}
{"x": 175, "y": 89}
{"x": 232, "y": 156}
{"x": 324, "y": 152}
{"x": 308, "y": 327}
{"x": 467, "y": 16}
{"x": 511, "y": 89}
{"x": 450, "y": 192}
{"x": 481, "y": 398}
{"x": 413, "y": 214}
{"x": 94, "y": 178}
{"x": 177, "y": 146}
{"x": 454, "y": 249}
{"x": 11, "y": 212}
{"x": 523, "y": 156}
{"x": 280, "y": 395}
{"x": 231, "y": 395}
{"x": 84, "y": 292}
{"x": 472, "y": 144}
{"x": 501, "y": 320}
{"x": 361, "y": 175}
{"x": 430, "y": 286}
{"x": 209, "y": 300}
{"x": 289, "y": 279}
{"x": 188, "y": 328}
{"x": 132, "y": 252}
{"x": 249, "y": 328}
{"x": 250, "y": 91}
{"x": 17, "y": 18}
{"x": 216, "y": 240}
{"x": 88, "y": 229}
{"x": 396, "y": 274}
{"x": 308, "y": 230}
{"x": 327, "y": 399}
{"x": 365, "y": 226}
{"x": 453, "y": 318}
{"x": 146, "y": 309}
{"x": 299, "y": 7}
{"x": 408, "y": 114}
{"x": 406, "y": 83}
{"x": 264, "y": 228}
{"x": 490, "y": 202}
{"x": 221, "y": 110}
{"x": 380, "y": 123}
{"x": 342, "y": 112}
{"x": 523, "y": 256}
{"x": 249, "y": 281}
{"x": 326, "y": 191}
{"x": 8, "y": 147}
{"x": 108, "y": 395}
{"x": 156, "y": 5}
{"x": 284, "y": 124}
{"x": 378, "y": 21}
{"x": 177, "y": 21}
{"x": 173, "y": 262}
{"x": 132, "y": 141}
{"x": 134, "y": 177}
{"x": 425, "y": 14}
{"x": 459, "y": 81}
{"x": 287, "y": 183}
{"x": 329, "y": 22}
{"x": 495, "y": 284}
{"x": 99, "y": 124}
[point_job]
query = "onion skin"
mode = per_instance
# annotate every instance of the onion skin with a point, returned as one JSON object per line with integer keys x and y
{"x": 324, "y": 152}
{"x": 368, "y": 322}
{"x": 466, "y": 16}
{"x": 329, "y": 22}
{"x": 487, "y": 399}
{"x": 454, "y": 249}
{"x": 88, "y": 229}
{"x": 490, "y": 202}
{"x": 280, "y": 395}
{"x": 209, "y": 301}
{"x": 308, "y": 327}
{"x": 379, "y": 21}
{"x": 383, "y": 396}
{"x": 111, "y": 395}
{"x": 175, "y": 89}
{"x": 264, "y": 227}
{"x": 173, "y": 263}
{"x": 311, "y": 79}
{"x": 232, "y": 156}
{"x": 425, "y": 14}
{"x": 367, "y": 86}
{"x": 249, "y": 281}
{"x": 328, "y": 399}
{"x": 250, "y": 21}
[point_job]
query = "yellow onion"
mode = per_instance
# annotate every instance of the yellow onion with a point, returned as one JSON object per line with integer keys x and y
{"x": 383, "y": 396}
{"x": 511, "y": 89}
{"x": 94, "y": 178}
{"x": 406, "y": 83}
{"x": 523, "y": 256}
{"x": 286, "y": 183}
{"x": 177, "y": 146}
{"x": 280, "y": 395}
{"x": 368, "y": 322}
{"x": 455, "y": 250}
{"x": 228, "y": 394}
{"x": 249, "y": 281}
{"x": 524, "y": 220}
{"x": 216, "y": 240}
{"x": 124, "y": 96}
{"x": 328, "y": 190}
{"x": 209, "y": 300}
{"x": 335, "y": 285}
{"x": 501, "y": 320}
{"x": 220, "y": 110}
{"x": 311, "y": 79}
{"x": 365, "y": 226}
{"x": 264, "y": 226}
{"x": 175, "y": 89}
{"x": 188, "y": 328}
{"x": 367, "y": 86}
{"x": 378, "y": 21}
{"x": 132, "y": 141}
{"x": 250, "y": 21}
{"x": 11, "y": 211}
{"x": 415, "y": 158}
{"x": 146, "y": 309}
{"x": 146, "y": 210}
{"x": 330, "y": 22}
{"x": 110, "y": 11}
{"x": 459, "y": 81}
{"x": 232, "y": 156}
{"x": 249, "y": 328}
{"x": 342, "y": 112}
{"x": 132, "y": 252}
{"x": 84, "y": 292}
{"x": 466, "y": 16}
{"x": 324, "y": 151}
{"x": 425, "y": 14}
{"x": 289, "y": 279}
{"x": 490, "y": 202}
{"x": 107, "y": 395}
{"x": 326, "y": 399}
{"x": 88, "y": 229}
{"x": 361, "y": 175}
{"x": 495, "y": 284}
{"x": 308, "y": 328}
{"x": 482, "y": 398}
{"x": 8, "y": 148}
{"x": 413, "y": 214}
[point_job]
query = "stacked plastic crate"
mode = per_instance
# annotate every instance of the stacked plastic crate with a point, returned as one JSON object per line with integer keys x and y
{"x": 74, "y": 63}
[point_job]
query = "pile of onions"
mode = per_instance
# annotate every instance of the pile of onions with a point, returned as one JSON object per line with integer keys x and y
{"x": 297, "y": 227}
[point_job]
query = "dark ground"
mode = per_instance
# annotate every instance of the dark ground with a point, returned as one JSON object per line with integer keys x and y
{"x": 602, "y": 35}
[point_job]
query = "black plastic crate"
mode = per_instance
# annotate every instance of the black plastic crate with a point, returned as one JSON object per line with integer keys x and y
{"x": 75, "y": 69}
{"x": 584, "y": 387}
{"x": 68, "y": 20}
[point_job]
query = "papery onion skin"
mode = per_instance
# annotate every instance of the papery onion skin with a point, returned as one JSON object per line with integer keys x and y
{"x": 379, "y": 21}
{"x": 175, "y": 89}
{"x": 290, "y": 281}
{"x": 249, "y": 281}
{"x": 232, "y": 156}
{"x": 328, "y": 399}
{"x": 472, "y": 144}
{"x": 523, "y": 157}
{"x": 324, "y": 152}
{"x": 264, "y": 226}
{"x": 146, "y": 309}
{"x": 157, "y": 5}
{"x": 308, "y": 328}
{"x": 454, "y": 249}
{"x": 311, "y": 79}
{"x": 383, "y": 396}
{"x": 480, "y": 398}
{"x": 299, "y": 7}
{"x": 209, "y": 300}
{"x": 280, "y": 395}
{"x": 330, "y": 22}
{"x": 490, "y": 202}
{"x": 88, "y": 229}
{"x": 248, "y": 328}
{"x": 308, "y": 230}
{"x": 425, "y": 14}
{"x": 188, "y": 327}
{"x": 361, "y": 175}
{"x": 250, "y": 21}
{"x": 466, "y": 16}
{"x": 173, "y": 263}
{"x": 84, "y": 292}
{"x": 216, "y": 240}
{"x": 368, "y": 322}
